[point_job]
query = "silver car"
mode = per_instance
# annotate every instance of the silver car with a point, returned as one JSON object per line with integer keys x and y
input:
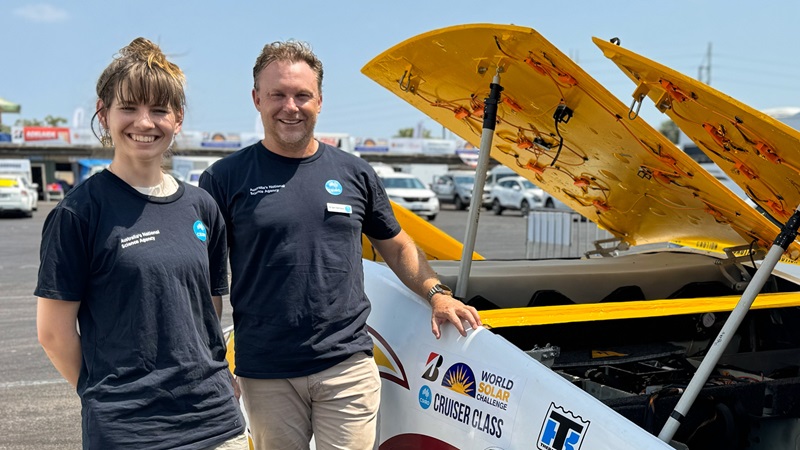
{"x": 455, "y": 187}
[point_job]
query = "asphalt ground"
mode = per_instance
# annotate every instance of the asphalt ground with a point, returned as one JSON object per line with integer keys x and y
{"x": 40, "y": 411}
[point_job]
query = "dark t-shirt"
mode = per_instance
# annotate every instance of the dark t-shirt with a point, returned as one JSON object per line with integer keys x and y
{"x": 294, "y": 231}
{"x": 154, "y": 373}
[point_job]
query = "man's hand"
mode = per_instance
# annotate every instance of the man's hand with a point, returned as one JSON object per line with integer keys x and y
{"x": 237, "y": 391}
{"x": 448, "y": 309}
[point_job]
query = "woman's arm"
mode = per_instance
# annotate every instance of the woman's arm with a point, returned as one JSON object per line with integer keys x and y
{"x": 56, "y": 323}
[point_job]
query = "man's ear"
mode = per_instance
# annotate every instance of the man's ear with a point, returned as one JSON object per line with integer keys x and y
{"x": 256, "y": 100}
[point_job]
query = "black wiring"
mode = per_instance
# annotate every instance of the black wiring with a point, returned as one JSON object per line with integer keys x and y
{"x": 751, "y": 251}
{"x": 562, "y": 114}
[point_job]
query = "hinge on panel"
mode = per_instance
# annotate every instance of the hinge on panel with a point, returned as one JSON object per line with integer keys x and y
{"x": 545, "y": 355}
{"x": 732, "y": 268}
{"x": 608, "y": 247}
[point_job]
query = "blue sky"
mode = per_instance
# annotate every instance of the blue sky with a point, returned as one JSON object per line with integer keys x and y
{"x": 52, "y": 52}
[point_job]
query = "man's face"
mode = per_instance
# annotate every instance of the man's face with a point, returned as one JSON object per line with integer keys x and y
{"x": 289, "y": 101}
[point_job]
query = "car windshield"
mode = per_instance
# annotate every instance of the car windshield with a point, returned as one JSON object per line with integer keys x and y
{"x": 466, "y": 179}
{"x": 403, "y": 183}
{"x": 528, "y": 185}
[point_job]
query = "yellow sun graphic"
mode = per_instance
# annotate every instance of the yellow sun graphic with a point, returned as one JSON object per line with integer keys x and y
{"x": 458, "y": 381}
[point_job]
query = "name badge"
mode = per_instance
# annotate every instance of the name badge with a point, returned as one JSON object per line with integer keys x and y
{"x": 338, "y": 208}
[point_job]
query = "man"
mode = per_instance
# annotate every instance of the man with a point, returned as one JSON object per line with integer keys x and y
{"x": 295, "y": 210}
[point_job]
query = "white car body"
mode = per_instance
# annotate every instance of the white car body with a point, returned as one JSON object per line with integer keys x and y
{"x": 17, "y": 194}
{"x": 411, "y": 193}
{"x": 520, "y": 194}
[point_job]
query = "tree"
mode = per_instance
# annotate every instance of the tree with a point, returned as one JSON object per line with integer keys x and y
{"x": 5, "y": 128}
{"x": 54, "y": 121}
{"x": 669, "y": 129}
{"x": 409, "y": 132}
{"x": 50, "y": 121}
{"x": 28, "y": 123}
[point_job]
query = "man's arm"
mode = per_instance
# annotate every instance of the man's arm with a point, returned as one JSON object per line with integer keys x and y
{"x": 409, "y": 264}
{"x": 56, "y": 323}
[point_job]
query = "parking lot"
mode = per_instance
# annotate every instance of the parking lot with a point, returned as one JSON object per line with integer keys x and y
{"x": 41, "y": 411}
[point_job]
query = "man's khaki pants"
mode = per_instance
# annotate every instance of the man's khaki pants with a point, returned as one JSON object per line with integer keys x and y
{"x": 339, "y": 406}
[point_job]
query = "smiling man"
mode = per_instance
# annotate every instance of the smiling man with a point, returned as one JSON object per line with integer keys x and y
{"x": 295, "y": 210}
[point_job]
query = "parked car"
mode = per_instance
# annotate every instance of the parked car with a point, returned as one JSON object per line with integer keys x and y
{"x": 17, "y": 194}
{"x": 455, "y": 187}
{"x": 411, "y": 193}
{"x": 55, "y": 190}
{"x": 520, "y": 194}
{"x": 494, "y": 175}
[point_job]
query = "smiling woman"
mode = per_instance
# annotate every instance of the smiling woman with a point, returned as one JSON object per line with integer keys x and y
{"x": 150, "y": 347}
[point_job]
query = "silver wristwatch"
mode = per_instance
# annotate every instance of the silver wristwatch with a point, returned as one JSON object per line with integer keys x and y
{"x": 439, "y": 288}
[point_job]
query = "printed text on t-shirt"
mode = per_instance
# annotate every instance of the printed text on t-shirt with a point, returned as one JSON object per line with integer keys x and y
{"x": 139, "y": 238}
{"x": 271, "y": 189}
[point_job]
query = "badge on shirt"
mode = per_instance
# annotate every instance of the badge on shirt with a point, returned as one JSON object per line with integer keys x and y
{"x": 333, "y": 187}
{"x": 339, "y": 208}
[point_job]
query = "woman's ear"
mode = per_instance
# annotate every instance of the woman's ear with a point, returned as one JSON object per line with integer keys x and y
{"x": 179, "y": 121}
{"x": 102, "y": 114}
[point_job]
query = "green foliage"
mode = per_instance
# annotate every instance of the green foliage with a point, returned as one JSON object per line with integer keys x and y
{"x": 409, "y": 132}
{"x": 670, "y": 130}
{"x": 5, "y": 128}
{"x": 50, "y": 121}
{"x": 54, "y": 121}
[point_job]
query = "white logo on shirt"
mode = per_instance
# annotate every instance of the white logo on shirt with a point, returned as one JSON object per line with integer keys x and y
{"x": 271, "y": 189}
{"x": 139, "y": 238}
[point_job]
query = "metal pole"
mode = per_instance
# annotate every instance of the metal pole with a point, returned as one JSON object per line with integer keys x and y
{"x": 782, "y": 242}
{"x": 489, "y": 124}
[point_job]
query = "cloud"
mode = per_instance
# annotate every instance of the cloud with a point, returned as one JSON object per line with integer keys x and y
{"x": 42, "y": 12}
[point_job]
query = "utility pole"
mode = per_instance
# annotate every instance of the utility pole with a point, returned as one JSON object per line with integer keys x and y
{"x": 705, "y": 68}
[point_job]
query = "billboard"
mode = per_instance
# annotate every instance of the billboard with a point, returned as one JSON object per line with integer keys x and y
{"x": 41, "y": 135}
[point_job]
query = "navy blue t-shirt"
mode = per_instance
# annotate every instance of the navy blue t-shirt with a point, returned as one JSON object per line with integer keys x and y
{"x": 294, "y": 232}
{"x": 154, "y": 373}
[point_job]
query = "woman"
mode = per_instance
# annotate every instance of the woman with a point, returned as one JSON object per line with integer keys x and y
{"x": 139, "y": 260}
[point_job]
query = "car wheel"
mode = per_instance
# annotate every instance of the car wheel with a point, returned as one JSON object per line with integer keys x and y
{"x": 525, "y": 208}
{"x": 460, "y": 205}
{"x": 496, "y": 208}
{"x": 549, "y": 203}
{"x": 431, "y": 217}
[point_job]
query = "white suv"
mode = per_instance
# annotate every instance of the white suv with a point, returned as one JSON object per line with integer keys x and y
{"x": 411, "y": 193}
{"x": 520, "y": 194}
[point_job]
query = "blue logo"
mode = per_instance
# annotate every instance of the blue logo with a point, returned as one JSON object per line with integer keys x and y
{"x": 562, "y": 430}
{"x": 200, "y": 230}
{"x": 333, "y": 187}
{"x": 425, "y": 397}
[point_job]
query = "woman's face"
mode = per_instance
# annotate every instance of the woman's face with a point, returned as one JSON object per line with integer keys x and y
{"x": 140, "y": 131}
